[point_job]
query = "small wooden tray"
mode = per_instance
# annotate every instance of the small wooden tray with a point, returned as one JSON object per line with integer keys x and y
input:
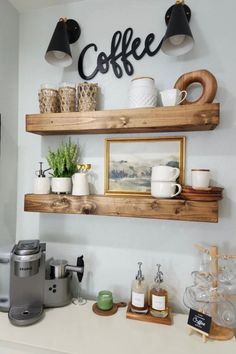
{"x": 210, "y": 190}
{"x": 206, "y": 195}
{"x": 148, "y": 317}
{"x": 108, "y": 312}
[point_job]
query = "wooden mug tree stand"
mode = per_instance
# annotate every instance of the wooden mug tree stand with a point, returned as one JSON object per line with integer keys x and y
{"x": 216, "y": 332}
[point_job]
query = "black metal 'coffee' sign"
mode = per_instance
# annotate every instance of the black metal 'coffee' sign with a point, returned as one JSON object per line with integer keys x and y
{"x": 123, "y": 47}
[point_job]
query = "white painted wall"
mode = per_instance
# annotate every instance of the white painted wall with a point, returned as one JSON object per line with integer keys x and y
{"x": 9, "y": 114}
{"x": 112, "y": 246}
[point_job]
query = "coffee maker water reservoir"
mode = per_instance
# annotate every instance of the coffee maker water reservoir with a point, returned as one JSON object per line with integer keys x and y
{"x": 5, "y": 254}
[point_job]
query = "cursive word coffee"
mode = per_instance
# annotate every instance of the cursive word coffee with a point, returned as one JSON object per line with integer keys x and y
{"x": 123, "y": 46}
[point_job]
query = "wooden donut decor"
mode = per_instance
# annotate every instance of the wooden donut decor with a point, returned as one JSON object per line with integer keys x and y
{"x": 203, "y": 77}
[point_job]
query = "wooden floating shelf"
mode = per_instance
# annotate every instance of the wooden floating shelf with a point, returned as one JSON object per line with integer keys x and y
{"x": 128, "y": 206}
{"x": 140, "y": 120}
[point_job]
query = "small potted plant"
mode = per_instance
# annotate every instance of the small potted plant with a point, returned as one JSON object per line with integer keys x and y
{"x": 63, "y": 163}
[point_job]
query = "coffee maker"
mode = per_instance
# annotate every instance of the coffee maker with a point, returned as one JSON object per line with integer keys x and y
{"x": 27, "y": 274}
{"x": 36, "y": 284}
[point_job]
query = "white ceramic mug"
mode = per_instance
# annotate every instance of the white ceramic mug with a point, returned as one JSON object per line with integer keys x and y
{"x": 165, "y": 173}
{"x": 80, "y": 184}
{"x": 165, "y": 189}
{"x": 42, "y": 185}
{"x": 172, "y": 97}
{"x": 200, "y": 178}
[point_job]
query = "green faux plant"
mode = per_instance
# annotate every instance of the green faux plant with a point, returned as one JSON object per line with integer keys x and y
{"x": 63, "y": 161}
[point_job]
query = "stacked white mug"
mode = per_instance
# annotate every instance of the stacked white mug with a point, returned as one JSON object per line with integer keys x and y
{"x": 163, "y": 182}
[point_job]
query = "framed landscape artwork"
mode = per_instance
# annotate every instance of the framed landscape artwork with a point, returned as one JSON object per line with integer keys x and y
{"x": 129, "y": 162}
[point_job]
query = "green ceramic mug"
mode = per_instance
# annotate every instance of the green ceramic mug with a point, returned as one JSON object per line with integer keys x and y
{"x": 105, "y": 300}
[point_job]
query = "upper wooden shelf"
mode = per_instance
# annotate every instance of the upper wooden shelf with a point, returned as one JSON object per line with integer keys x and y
{"x": 129, "y": 206}
{"x": 140, "y": 120}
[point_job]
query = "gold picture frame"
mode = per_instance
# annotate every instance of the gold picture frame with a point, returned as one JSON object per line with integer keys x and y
{"x": 128, "y": 162}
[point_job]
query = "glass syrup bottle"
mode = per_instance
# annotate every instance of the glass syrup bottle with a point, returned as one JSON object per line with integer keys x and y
{"x": 139, "y": 293}
{"x": 158, "y": 296}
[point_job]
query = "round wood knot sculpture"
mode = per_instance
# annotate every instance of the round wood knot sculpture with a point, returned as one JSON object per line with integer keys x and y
{"x": 203, "y": 77}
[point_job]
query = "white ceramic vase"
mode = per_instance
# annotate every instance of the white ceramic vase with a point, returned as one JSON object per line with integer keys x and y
{"x": 142, "y": 93}
{"x": 61, "y": 185}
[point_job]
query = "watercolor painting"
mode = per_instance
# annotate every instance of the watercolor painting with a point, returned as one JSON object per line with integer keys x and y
{"x": 129, "y": 162}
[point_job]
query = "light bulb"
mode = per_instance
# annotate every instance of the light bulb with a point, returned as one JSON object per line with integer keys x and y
{"x": 177, "y": 40}
{"x": 59, "y": 55}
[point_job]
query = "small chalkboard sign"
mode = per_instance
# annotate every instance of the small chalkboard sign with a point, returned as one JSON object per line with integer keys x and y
{"x": 199, "y": 321}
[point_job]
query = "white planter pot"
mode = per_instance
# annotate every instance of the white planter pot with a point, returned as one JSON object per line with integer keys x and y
{"x": 61, "y": 185}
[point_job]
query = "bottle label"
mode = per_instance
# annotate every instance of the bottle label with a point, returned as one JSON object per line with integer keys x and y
{"x": 158, "y": 302}
{"x": 137, "y": 299}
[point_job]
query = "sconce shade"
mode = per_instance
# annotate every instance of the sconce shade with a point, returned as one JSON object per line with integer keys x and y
{"x": 65, "y": 33}
{"x": 178, "y": 39}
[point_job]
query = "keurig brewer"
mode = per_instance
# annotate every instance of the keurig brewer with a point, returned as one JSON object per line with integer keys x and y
{"x": 27, "y": 274}
{"x": 35, "y": 284}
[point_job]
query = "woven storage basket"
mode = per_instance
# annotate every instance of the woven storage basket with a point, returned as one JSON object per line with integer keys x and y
{"x": 48, "y": 101}
{"x": 67, "y": 99}
{"x": 87, "y": 97}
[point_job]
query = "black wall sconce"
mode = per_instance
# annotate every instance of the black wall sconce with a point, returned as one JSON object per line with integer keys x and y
{"x": 65, "y": 33}
{"x": 178, "y": 39}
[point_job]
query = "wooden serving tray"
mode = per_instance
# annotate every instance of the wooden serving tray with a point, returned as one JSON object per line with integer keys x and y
{"x": 148, "y": 317}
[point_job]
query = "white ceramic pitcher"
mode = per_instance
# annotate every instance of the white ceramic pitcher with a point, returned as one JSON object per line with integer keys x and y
{"x": 80, "y": 184}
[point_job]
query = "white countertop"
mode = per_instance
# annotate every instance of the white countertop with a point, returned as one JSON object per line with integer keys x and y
{"x": 76, "y": 329}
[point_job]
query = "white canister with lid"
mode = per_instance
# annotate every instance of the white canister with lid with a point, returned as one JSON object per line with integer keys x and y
{"x": 142, "y": 93}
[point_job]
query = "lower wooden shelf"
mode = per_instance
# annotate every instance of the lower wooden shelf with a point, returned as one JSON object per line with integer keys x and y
{"x": 129, "y": 206}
